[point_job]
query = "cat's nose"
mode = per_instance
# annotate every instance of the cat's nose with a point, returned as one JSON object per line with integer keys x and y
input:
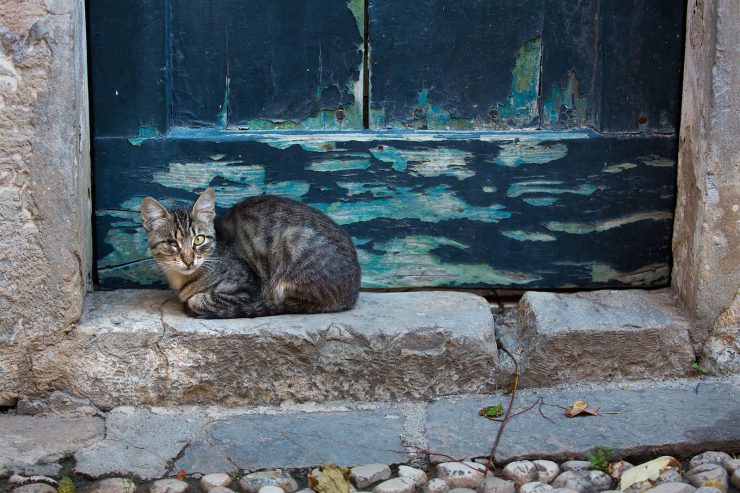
{"x": 188, "y": 257}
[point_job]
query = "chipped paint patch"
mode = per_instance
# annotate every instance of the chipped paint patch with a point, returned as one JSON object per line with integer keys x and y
{"x": 319, "y": 146}
{"x": 357, "y": 7}
{"x": 410, "y": 261}
{"x": 437, "y": 161}
{"x": 545, "y": 186}
{"x": 518, "y": 153}
{"x": 565, "y": 106}
{"x": 584, "y": 228}
{"x": 216, "y": 157}
{"x": 329, "y": 165}
{"x": 433, "y": 204}
{"x": 645, "y": 276}
{"x": 222, "y": 117}
{"x": 520, "y": 109}
{"x": 618, "y": 168}
{"x": 657, "y": 161}
{"x": 528, "y": 236}
{"x": 143, "y": 134}
{"x": 540, "y": 201}
{"x": 489, "y": 189}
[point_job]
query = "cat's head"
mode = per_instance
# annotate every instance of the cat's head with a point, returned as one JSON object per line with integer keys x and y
{"x": 181, "y": 239}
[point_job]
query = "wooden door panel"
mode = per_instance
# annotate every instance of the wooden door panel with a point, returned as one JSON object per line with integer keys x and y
{"x": 523, "y": 210}
{"x": 267, "y": 64}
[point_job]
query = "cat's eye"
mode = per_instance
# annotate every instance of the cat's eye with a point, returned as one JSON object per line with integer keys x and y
{"x": 173, "y": 244}
{"x": 199, "y": 240}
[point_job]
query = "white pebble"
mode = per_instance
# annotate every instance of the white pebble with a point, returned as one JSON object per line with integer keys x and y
{"x": 461, "y": 474}
{"x": 169, "y": 486}
{"x": 210, "y": 481}
{"x": 417, "y": 475}
{"x": 535, "y": 487}
{"x": 368, "y": 474}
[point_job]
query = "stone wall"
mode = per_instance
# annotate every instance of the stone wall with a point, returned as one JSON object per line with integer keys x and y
{"x": 706, "y": 243}
{"x": 45, "y": 257}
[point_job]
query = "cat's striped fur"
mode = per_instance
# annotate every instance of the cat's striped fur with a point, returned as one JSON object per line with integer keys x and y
{"x": 265, "y": 256}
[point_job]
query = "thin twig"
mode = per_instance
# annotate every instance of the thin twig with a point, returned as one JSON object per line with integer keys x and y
{"x": 431, "y": 452}
{"x": 492, "y": 455}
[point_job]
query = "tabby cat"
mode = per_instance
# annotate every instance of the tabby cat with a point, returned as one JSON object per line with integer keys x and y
{"x": 266, "y": 255}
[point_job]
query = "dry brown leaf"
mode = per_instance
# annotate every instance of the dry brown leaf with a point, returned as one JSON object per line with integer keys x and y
{"x": 579, "y": 407}
{"x": 333, "y": 479}
{"x": 647, "y": 471}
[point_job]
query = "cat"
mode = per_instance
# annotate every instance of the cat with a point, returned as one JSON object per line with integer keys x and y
{"x": 266, "y": 255}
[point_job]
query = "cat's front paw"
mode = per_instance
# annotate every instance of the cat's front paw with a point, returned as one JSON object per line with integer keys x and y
{"x": 195, "y": 307}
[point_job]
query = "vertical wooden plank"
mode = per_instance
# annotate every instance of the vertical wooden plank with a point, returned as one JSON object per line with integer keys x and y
{"x": 259, "y": 64}
{"x": 127, "y": 56}
{"x": 640, "y": 65}
{"x": 459, "y": 65}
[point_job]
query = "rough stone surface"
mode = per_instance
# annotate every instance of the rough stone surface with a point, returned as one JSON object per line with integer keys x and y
{"x": 461, "y": 474}
{"x": 169, "y": 486}
{"x": 396, "y": 485}
{"x": 583, "y": 481}
{"x": 44, "y": 184}
{"x": 139, "y": 441}
{"x": 535, "y": 487}
{"x": 462, "y": 490}
{"x": 57, "y": 403}
{"x": 568, "y": 490}
{"x": 732, "y": 465}
{"x": 675, "y": 487}
{"x": 701, "y": 474}
{"x": 602, "y": 335}
{"x": 685, "y": 421}
{"x": 706, "y": 272}
{"x": 296, "y": 440}
{"x": 709, "y": 457}
{"x": 210, "y": 481}
{"x": 112, "y": 485}
{"x": 708, "y": 489}
{"x": 437, "y": 485}
{"x": 254, "y": 482}
{"x": 670, "y": 475}
{"x": 271, "y": 489}
{"x": 35, "y": 488}
{"x": 26, "y": 441}
{"x": 389, "y": 347}
{"x": 368, "y": 474}
{"x": 721, "y": 354}
{"x": 417, "y": 475}
{"x": 222, "y": 489}
{"x": 576, "y": 465}
{"x": 492, "y": 484}
{"x": 735, "y": 479}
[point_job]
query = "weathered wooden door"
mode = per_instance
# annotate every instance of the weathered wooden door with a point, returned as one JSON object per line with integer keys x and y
{"x": 507, "y": 143}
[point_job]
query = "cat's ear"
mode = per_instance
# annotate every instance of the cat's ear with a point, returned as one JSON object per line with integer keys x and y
{"x": 205, "y": 206}
{"x": 152, "y": 212}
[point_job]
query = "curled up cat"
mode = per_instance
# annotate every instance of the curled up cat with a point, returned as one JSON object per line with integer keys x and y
{"x": 265, "y": 255}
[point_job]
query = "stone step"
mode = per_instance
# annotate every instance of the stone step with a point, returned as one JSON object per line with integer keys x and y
{"x": 136, "y": 347}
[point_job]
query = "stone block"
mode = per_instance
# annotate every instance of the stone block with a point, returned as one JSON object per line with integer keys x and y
{"x": 138, "y": 347}
{"x": 602, "y": 336}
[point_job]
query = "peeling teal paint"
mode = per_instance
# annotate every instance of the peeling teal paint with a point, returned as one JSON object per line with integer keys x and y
{"x": 585, "y": 228}
{"x": 542, "y": 186}
{"x": 618, "y": 168}
{"x": 357, "y": 7}
{"x": 437, "y": 161}
{"x": 657, "y": 161}
{"x": 222, "y": 118}
{"x": 566, "y": 97}
{"x": 338, "y": 165}
{"x": 540, "y": 201}
{"x": 144, "y": 134}
{"x": 645, "y": 276}
{"x": 520, "y": 109}
{"x": 410, "y": 261}
{"x": 376, "y": 189}
{"x": 528, "y": 236}
{"x": 518, "y": 153}
{"x": 319, "y": 146}
{"x": 433, "y": 204}
{"x": 216, "y": 157}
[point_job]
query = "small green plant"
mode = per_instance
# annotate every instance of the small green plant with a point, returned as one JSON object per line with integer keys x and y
{"x": 491, "y": 412}
{"x": 66, "y": 485}
{"x": 236, "y": 475}
{"x": 600, "y": 458}
{"x": 696, "y": 366}
{"x": 129, "y": 485}
{"x": 67, "y": 454}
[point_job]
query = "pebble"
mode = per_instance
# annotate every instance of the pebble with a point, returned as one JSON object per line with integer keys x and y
{"x": 417, "y": 475}
{"x": 547, "y": 471}
{"x": 670, "y": 475}
{"x": 584, "y": 481}
{"x": 222, "y": 489}
{"x": 112, "y": 485}
{"x": 735, "y": 480}
{"x": 619, "y": 467}
{"x": 210, "y": 481}
{"x": 252, "y": 482}
{"x": 396, "y": 485}
{"x": 368, "y": 474}
{"x": 525, "y": 471}
{"x": 435, "y": 485}
{"x": 568, "y": 490}
{"x": 673, "y": 488}
{"x": 711, "y": 457}
{"x": 35, "y": 488}
{"x": 708, "y": 489}
{"x": 576, "y": 465}
{"x": 639, "y": 487}
{"x": 169, "y": 486}
{"x": 732, "y": 465}
{"x": 700, "y": 475}
{"x": 492, "y": 484}
{"x": 461, "y": 474}
{"x": 535, "y": 487}
{"x": 462, "y": 490}
{"x": 270, "y": 489}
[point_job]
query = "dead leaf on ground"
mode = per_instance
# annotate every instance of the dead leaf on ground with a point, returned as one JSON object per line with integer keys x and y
{"x": 579, "y": 407}
{"x": 333, "y": 479}
{"x": 647, "y": 471}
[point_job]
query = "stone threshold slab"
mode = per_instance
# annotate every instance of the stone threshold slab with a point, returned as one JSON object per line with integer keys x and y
{"x": 134, "y": 347}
